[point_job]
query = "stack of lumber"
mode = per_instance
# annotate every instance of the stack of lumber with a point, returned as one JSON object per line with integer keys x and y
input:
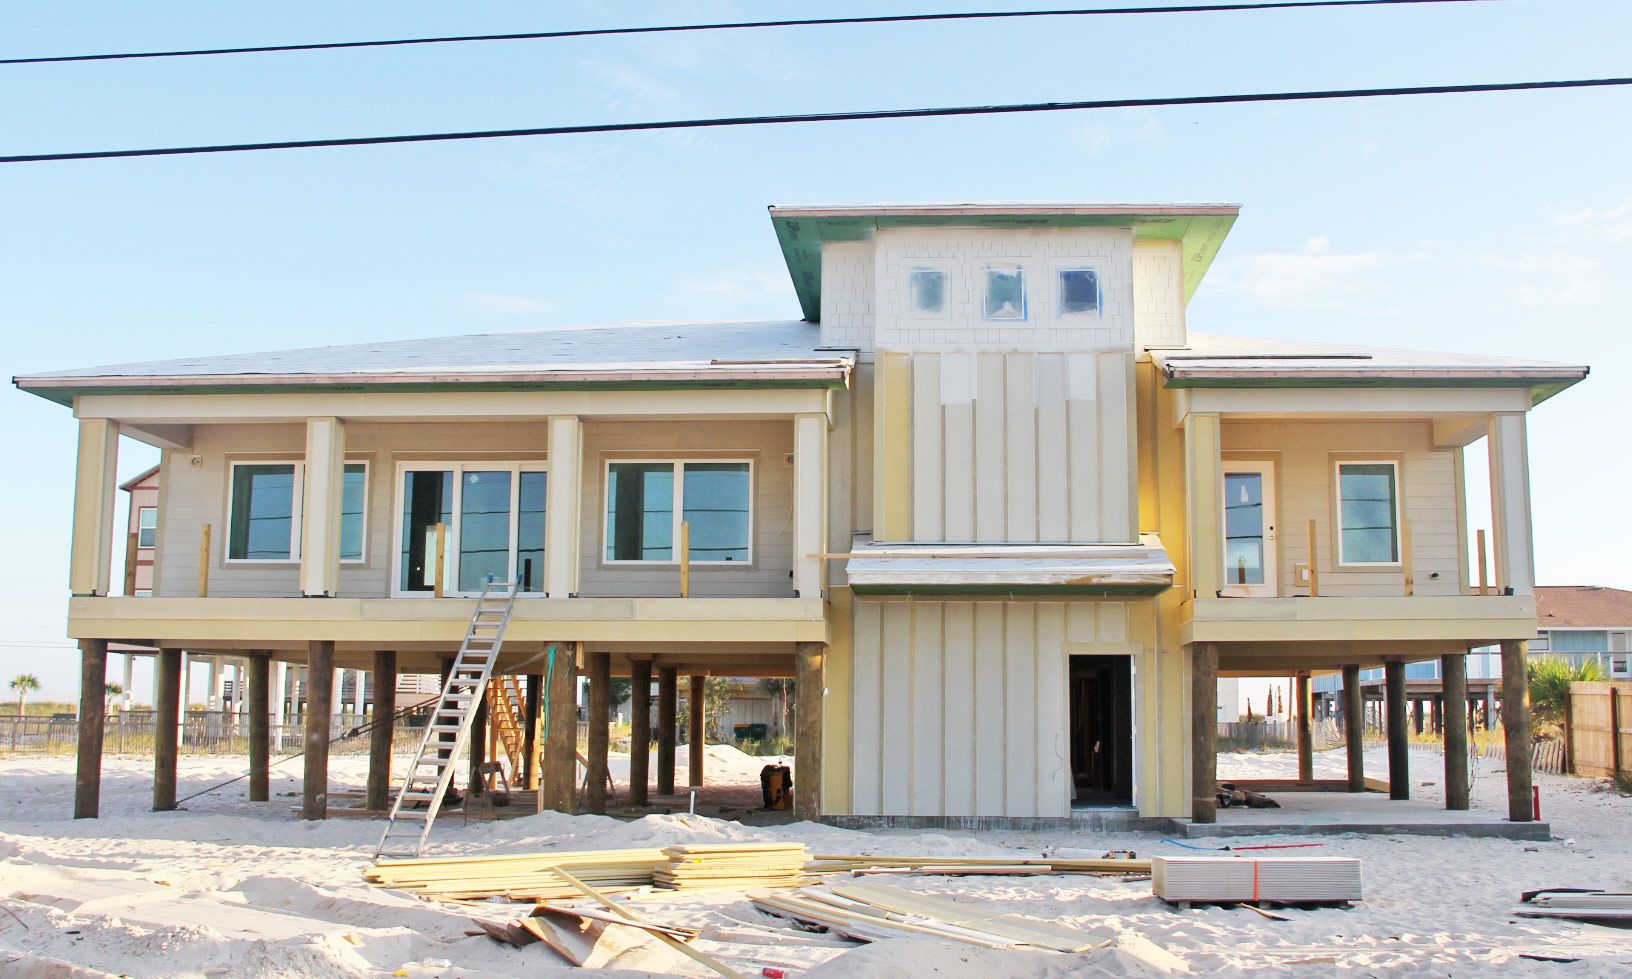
{"x": 519, "y": 877}
{"x": 697, "y": 866}
{"x": 874, "y": 912}
{"x": 956, "y": 866}
{"x": 1282, "y": 880}
{"x": 1577, "y": 903}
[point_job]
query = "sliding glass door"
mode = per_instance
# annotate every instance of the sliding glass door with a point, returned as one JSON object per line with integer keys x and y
{"x": 486, "y": 520}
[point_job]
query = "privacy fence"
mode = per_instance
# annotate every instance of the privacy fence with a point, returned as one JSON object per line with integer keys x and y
{"x": 201, "y": 733}
{"x": 1599, "y": 724}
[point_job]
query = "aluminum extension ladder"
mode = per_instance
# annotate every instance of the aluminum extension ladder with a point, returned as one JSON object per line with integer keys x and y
{"x": 430, "y": 775}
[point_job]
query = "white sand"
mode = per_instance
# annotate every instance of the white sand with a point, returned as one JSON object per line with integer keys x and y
{"x": 233, "y": 888}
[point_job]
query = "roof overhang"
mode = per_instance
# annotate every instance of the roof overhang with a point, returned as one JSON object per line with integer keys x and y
{"x": 1011, "y": 569}
{"x": 1543, "y": 383}
{"x": 800, "y": 231}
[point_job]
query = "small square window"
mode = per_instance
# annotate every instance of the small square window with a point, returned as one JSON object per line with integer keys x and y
{"x": 147, "y": 526}
{"x": 1079, "y": 292}
{"x": 927, "y": 289}
{"x": 1005, "y": 294}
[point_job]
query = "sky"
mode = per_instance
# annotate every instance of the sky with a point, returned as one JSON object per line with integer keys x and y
{"x": 1496, "y": 223}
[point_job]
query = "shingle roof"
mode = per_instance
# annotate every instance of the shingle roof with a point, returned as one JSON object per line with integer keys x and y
{"x": 1582, "y": 607}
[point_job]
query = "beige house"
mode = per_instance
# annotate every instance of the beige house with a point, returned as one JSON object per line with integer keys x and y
{"x": 1002, "y": 514}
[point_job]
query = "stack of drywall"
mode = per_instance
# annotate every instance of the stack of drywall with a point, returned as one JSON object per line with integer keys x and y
{"x": 701, "y": 865}
{"x": 520, "y": 877}
{"x": 1588, "y": 905}
{"x": 1289, "y": 880}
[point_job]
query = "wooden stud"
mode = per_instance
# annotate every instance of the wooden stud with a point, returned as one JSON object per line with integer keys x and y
{"x": 1204, "y": 732}
{"x": 640, "y": 730}
{"x": 600, "y": 718}
{"x": 1354, "y": 727}
{"x": 1484, "y": 567}
{"x": 667, "y": 711}
{"x": 379, "y": 737}
{"x": 319, "y": 711}
{"x": 131, "y": 548}
{"x": 93, "y": 681}
{"x": 695, "y": 708}
{"x": 1399, "y": 745}
{"x": 204, "y": 562}
{"x": 1616, "y": 767}
{"x": 1306, "y": 730}
{"x": 1454, "y": 671}
{"x": 1516, "y": 729}
{"x": 1314, "y": 562}
{"x": 440, "y": 578}
{"x": 685, "y": 559}
{"x": 166, "y": 715}
{"x": 260, "y": 726}
{"x": 808, "y": 688}
{"x": 1405, "y": 558}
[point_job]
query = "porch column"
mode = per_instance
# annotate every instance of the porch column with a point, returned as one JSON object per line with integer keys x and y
{"x": 90, "y": 563}
{"x": 379, "y": 736}
{"x": 217, "y": 698}
{"x": 359, "y": 700}
{"x": 1416, "y": 715}
{"x": 1203, "y": 732}
{"x": 280, "y": 701}
{"x": 1354, "y": 728}
{"x": 1202, "y": 478}
{"x": 93, "y": 718}
{"x": 565, "y": 499}
{"x": 1436, "y": 708}
{"x": 319, "y": 711}
{"x": 1490, "y": 707}
{"x": 260, "y": 722}
{"x": 1306, "y": 729}
{"x": 166, "y": 705}
{"x": 1510, "y": 504}
{"x": 694, "y": 715}
{"x": 808, "y": 690}
{"x": 129, "y": 680}
{"x": 529, "y": 736}
{"x": 667, "y": 712}
{"x": 640, "y": 730}
{"x": 1516, "y": 729}
{"x": 557, "y": 788}
{"x": 1454, "y": 669}
{"x": 600, "y": 718}
{"x": 321, "y": 495}
{"x": 809, "y": 503}
{"x": 1399, "y": 757}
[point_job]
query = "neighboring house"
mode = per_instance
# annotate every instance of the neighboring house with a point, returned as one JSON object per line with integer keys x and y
{"x": 1585, "y": 622}
{"x": 142, "y": 535}
{"x": 1004, "y": 517}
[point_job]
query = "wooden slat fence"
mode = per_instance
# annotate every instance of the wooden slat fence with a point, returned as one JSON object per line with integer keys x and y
{"x": 1600, "y": 728}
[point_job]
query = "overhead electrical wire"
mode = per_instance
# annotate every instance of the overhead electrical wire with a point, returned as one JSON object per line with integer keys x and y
{"x": 1188, "y": 8}
{"x": 862, "y": 115}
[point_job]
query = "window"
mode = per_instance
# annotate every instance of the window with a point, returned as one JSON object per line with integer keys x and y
{"x": 1079, "y": 293}
{"x": 1005, "y": 294}
{"x": 147, "y": 526}
{"x": 264, "y": 515}
{"x": 492, "y": 523}
{"x": 926, "y": 289}
{"x": 647, "y": 501}
{"x": 1368, "y": 512}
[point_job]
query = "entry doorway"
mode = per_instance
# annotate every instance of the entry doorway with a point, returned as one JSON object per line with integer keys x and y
{"x": 1101, "y": 736}
{"x": 1250, "y": 559}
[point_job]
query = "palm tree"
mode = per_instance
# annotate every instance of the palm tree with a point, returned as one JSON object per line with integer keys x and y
{"x": 111, "y": 693}
{"x": 23, "y": 683}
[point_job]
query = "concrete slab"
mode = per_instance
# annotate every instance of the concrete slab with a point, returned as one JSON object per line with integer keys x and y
{"x": 1328, "y": 813}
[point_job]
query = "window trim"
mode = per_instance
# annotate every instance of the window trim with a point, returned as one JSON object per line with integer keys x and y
{"x": 1019, "y": 268}
{"x": 139, "y": 528}
{"x": 297, "y": 509}
{"x": 515, "y": 466}
{"x": 679, "y": 509}
{"x": 1399, "y": 510}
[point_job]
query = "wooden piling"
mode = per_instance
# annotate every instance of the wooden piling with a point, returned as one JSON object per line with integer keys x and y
{"x": 1399, "y": 742}
{"x": 1354, "y": 727}
{"x": 379, "y": 736}
{"x": 1516, "y": 729}
{"x": 93, "y": 716}
{"x": 667, "y": 711}
{"x": 600, "y": 719}
{"x": 640, "y": 730}
{"x": 530, "y": 735}
{"x": 477, "y": 757}
{"x": 557, "y": 786}
{"x": 166, "y": 740}
{"x": 695, "y": 709}
{"x": 1203, "y": 732}
{"x": 260, "y": 726}
{"x": 319, "y": 716}
{"x": 1454, "y": 671}
{"x": 808, "y": 684}
{"x": 1306, "y": 730}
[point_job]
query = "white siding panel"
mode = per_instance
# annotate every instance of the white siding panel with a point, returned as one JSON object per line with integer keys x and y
{"x": 1019, "y": 705}
{"x": 1053, "y": 453}
{"x": 927, "y": 464}
{"x": 1051, "y": 718}
{"x": 1021, "y": 464}
{"x": 958, "y": 482}
{"x": 896, "y": 742}
{"x": 961, "y": 700}
{"x": 929, "y": 719}
{"x": 867, "y": 734}
{"x": 989, "y": 448}
{"x": 990, "y": 680}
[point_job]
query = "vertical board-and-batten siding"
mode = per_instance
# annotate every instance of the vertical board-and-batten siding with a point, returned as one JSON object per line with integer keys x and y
{"x": 962, "y": 708}
{"x": 1307, "y": 453}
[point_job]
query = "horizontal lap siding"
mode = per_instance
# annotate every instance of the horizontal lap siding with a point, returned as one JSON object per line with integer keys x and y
{"x": 1307, "y": 452}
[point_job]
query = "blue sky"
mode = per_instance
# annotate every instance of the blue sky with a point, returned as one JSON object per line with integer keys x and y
{"x": 1495, "y": 223}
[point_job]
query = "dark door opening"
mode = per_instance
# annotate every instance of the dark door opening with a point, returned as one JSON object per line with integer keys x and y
{"x": 1101, "y": 731}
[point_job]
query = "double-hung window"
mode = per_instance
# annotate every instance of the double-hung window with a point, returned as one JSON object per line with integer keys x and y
{"x": 646, "y": 502}
{"x": 147, "y": 526}
{"x": 1368, "y": 503}
{"x": 264, "y": 512}
{"x": 486, "y": 519}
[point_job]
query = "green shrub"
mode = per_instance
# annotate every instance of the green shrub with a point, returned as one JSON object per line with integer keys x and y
{"x": 1550, "y": 679}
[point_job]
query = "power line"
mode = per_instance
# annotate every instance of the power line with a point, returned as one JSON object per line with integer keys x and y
{"x": 1190, "y": 8}
{"x": 868, "y": 114}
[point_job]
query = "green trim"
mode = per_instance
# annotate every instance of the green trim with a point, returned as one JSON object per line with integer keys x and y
{"x": 1105, "y": 591}
{"x": 801, "y": 239}
{"x": 1539, "y": 392}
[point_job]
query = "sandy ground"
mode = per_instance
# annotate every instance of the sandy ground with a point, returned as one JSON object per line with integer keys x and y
{"x": 231, "y": 888}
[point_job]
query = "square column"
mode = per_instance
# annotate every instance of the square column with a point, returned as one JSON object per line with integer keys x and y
{"x": 322, "y": 493}
{"x": 90, "y": 564}
{"x": 1354, "y": 727}
{"x": 319, "y": 711}
{"x": 1510, "y": 503}
{"x": 1454, "y": 717}
{"x": 809, "y": 503}
{"x": 93, "y": 679}
{"x": 1203, "y": 732}
{"x": 564, "y": 492}
{"x": 640, "y": 730}
{"x": 808, "y": 690}
{"x": 1203, "y": 479}
{"x": 1399, "y": 742}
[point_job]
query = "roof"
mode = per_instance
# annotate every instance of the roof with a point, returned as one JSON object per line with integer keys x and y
{"x": 1582, "y": 607}
{"x": 801, "y": 230}
{"x": 136, "y": 481}
{"x": 1225, "y": 361}
{"x": 1009, "y": 569}
{"x": 648, "y": 355}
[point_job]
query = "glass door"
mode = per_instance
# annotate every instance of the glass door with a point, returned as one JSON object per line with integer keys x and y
{"x": 1249, "y": 530}
{"x": 493, "y": 521}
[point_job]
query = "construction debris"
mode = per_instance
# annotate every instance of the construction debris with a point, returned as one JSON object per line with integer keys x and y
{"x": 1111, "y": 867}
{"x": 531, "y": 877}
{"x": 733, "y": 865}
{"x": 1583, "y": 904}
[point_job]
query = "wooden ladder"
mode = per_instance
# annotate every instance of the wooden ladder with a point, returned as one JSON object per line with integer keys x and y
{"x": 430, "y": 775}
{"x": 504, "y": 707}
